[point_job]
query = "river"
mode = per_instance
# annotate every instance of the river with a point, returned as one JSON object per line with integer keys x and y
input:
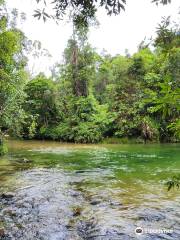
{"x": 54, "y": 191}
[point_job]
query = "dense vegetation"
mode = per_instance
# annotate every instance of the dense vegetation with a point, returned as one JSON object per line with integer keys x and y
{"x": 92, "y": 97}
{"x": 12, "y": 79}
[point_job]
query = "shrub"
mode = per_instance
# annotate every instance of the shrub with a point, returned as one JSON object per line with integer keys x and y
{"x": 88, "y": 132}
{"x": 149, "y": 129}
{"x": 3, "y": 149}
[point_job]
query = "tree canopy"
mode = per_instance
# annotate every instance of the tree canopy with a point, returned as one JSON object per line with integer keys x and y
{"x": 83, "y": 11}
{"x": 93, "y": 97}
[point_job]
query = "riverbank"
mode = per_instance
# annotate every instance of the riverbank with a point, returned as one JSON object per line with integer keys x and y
{"x": 109, "y": 140}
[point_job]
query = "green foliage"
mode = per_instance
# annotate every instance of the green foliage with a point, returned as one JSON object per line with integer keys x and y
{"x": 40, "y": 104}
{"x": 88, "y": 133}
{"x": 29, "y": 126}
{"x": 85, "y": 121}
{"x": 167, "y": 101}
{"x": 149, "y": 129}
{"x": 93, "y": 97}
{"x": 167, "y": 36}
{"x": 12, "y": 78}
{"x": 175, "y": 128}
{"x": 3, "y": 149}
{"x": 80, "y": 61}
{"x": 83, "y": 12}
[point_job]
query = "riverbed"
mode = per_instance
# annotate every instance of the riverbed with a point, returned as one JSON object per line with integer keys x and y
{"x": 54, "y": 191}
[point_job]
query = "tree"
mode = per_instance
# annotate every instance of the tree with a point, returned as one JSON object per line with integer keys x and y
{"x": 83, "y": 11}
{"x": 79, "y": 58}
{"x": 104, "y": 78}
{"x": 40, "y": 105}
{"x": 12, "y": 79}
{"x": 92, "y": 96}
{"x": 164, "y": 100}
{"x": 167, "y": 36}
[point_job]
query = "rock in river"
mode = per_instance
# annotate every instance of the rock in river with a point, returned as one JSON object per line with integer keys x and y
{"x": 2, "y": 233}
{"x": 8, "y": 195}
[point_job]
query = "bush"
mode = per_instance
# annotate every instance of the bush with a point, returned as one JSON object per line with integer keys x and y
{"x": 62, "y": 132}
{"x": 3, "y": 149}
{"x": 175, "y": 129}
{"x": 88, "y": 132}
{"x": 149, "y": 129}
{"x": 85, "y": 132}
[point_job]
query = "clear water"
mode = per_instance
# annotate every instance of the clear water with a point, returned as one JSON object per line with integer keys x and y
{"x": 69, "y": 192}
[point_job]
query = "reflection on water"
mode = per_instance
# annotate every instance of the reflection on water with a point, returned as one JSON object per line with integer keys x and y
{"x": 69, "y": 192}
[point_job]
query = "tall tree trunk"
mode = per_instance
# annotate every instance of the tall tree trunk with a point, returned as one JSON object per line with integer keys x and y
{"x": 80, "y": 86}
{"x": 76, "y": 87}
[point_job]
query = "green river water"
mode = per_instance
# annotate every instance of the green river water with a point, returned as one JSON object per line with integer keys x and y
{"x": 95, "y": 192}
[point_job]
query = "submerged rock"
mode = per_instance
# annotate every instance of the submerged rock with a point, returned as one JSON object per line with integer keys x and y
{"x": 151, "y": 216}
{"x": 8, "y": 195}
{"x": 114, "y": 203}
{"x": 95, "y": 202}
{"x": 24, "y": 160}
{"x": 88, "y": 229}
{"x": 77, "y": 212}
{"x": 2, "y": 233}
{"x": 80, "y": 171}
{"x": 9, "y": 212}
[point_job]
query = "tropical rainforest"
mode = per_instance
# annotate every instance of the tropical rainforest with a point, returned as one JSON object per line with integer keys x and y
{"x": 91, "y": 97}
{"x": 91, "y": 149}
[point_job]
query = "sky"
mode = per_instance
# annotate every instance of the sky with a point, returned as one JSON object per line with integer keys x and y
{"x": 114, "y": 34}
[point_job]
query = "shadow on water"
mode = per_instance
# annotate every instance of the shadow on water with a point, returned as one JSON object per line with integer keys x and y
{"x": 98, "y": 192}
